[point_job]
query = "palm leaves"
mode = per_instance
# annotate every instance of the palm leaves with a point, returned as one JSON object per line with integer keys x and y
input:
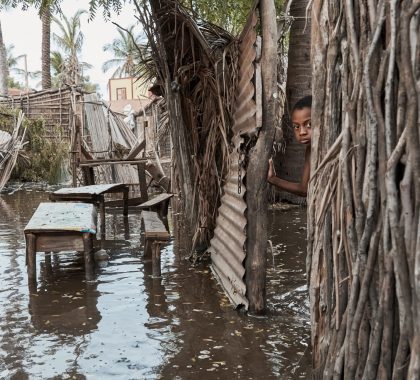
{"x": 70, "y": 41}
{"x": 12, "y": 62}
{"x": 126, "y": 54}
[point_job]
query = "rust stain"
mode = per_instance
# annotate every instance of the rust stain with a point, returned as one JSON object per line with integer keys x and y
{"x": 228, "y": 244}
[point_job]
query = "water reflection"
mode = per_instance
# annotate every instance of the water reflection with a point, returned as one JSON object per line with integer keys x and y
{"x": 64, "y": 302}
{"x": 127, "y": 324}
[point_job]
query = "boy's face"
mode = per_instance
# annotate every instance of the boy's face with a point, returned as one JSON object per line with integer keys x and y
{"x": 301, "y": 122}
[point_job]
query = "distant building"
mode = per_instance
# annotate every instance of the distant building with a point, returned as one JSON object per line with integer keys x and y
{"x": 124, "y": 91}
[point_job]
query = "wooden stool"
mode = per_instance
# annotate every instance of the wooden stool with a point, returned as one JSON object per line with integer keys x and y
{"x": 155, "y": 234}
{"x": 60, "y": 227}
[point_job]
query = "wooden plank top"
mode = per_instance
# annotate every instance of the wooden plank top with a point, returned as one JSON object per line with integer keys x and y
{"x": 156, "y": 200}
{"x": 63, "y": 216}
{"x": 89, "y": 190}
{"x": 153, "y": 226}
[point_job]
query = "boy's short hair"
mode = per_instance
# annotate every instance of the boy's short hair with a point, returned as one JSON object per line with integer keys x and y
{"x": 304, "y": 102}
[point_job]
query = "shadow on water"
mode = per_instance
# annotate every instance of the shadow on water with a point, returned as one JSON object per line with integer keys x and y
{"x": 127, "y": 324}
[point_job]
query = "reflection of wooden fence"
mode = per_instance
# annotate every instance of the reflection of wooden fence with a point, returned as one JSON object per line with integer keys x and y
{"x": 55, "y": 107}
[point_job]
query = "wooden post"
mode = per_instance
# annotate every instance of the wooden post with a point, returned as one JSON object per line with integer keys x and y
{"x": 48, "y": 266}
{"x": 125, "y": 200}
{"x": 102, "y": 215}
{"x": 256, "y": 194}
{"x": 31, "y": 256}
{"x": 126, "y": 229}
{"x": 142, "y": 182}
{"x": 148, "y": 248}
{"x": 88, "y": 248}
{"x": 156, "y": 270}
{"x": 48, "y": 258}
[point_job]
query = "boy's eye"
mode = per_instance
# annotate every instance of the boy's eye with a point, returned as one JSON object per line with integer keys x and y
{"x": 306, "y": 125}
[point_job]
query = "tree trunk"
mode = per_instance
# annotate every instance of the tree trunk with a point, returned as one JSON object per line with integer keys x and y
{"x": 46, "y": 51}
{"x": 256, "y": 192}
{"x": 289, "y": 165}
{"x": 4, "y": 70}
{"x": 364, "y": 197}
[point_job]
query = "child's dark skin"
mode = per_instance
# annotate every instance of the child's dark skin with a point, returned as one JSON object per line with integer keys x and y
{"x": 301, "y": 120}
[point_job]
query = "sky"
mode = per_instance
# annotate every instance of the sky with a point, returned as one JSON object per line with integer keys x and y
{"x": 23, "y": 30}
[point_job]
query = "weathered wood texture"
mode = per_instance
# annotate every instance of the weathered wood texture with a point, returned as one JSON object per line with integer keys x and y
{"x": 155, "y": 235}
{"x": 55, "y": 107}
{"x": 93, "y": 194}
{"x": 364, "y": 197}
{"x": 64, "y": 216}
{"x": 153, "y": 226}
{"x": 159, "y": 204}
{"x": 58, "y": 227}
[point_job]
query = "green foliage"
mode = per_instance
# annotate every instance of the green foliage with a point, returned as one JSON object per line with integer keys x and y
{"x": 13, "y": 83}
{"x": 107, "y": 6}
{"x": 230, "y": 15}
{"x": 44, "y": 153}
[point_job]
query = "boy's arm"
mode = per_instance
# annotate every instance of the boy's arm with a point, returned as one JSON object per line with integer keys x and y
{"x": 298, "y": 188}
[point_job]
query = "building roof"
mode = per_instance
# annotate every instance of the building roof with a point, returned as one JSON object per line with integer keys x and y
{"x": 136, "y": 104}
{"x": 18, "y": 91}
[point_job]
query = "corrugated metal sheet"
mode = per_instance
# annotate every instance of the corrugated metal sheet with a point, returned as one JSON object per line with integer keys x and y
{"x": 228, "y": 244}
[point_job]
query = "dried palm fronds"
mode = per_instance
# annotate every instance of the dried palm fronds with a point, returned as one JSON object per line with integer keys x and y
{"x": 9, "y": 150}
{"x": 194, "y": 68}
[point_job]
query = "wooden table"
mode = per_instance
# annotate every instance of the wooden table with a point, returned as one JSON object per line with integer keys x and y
{"x": 93, "y": 194}
{"x": 60, "y": 226}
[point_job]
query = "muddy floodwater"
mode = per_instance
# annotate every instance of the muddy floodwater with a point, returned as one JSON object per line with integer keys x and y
{"x": 125, "y": 324}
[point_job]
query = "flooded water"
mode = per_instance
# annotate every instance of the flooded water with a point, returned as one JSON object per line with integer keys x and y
{"x": 125, "y": 324}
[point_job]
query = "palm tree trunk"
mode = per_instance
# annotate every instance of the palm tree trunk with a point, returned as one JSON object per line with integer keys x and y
{"x": 290, "y": 165}
{"x": 4, "y": 71}
{"x": 46, "y": 58}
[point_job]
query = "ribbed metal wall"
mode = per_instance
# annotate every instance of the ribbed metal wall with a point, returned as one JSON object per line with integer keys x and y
{"x": 228, "y": 244}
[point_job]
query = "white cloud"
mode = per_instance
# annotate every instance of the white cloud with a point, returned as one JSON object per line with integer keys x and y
{"x": 23, "y": 29}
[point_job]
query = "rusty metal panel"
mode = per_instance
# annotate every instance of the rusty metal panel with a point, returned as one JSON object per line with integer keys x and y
{"x": 228, "y": 244}
{"x": 228, "y": 250}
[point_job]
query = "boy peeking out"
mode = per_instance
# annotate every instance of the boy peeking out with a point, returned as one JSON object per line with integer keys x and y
{"x": 301, "y": 122}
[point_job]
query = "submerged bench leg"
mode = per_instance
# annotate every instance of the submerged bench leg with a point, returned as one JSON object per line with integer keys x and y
{"x": 148, "y": 248}
{"x": 156, "y": 270}
{"x": 125, "y": 201}
{"x": 31, "y": 256}
{"x": 102, "y": 215}
{"x": 88, "y": 247}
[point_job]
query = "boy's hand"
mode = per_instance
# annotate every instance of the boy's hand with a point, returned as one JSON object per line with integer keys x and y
{"x": 271, "y": 170}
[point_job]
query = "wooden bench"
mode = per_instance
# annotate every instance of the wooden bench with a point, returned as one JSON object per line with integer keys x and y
{"x": 93, "y": 194}
{"x": 155, "y": 234}
{"x": 158, "y": 204}
{"x": 58, "y": 227}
